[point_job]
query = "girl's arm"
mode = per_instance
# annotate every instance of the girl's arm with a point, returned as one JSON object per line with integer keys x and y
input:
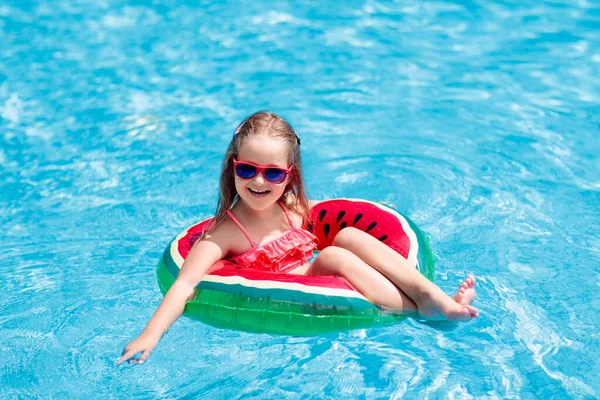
{"x": 201, "y": 257}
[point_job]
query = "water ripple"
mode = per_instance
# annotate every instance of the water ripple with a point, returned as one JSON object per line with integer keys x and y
{"x": 479, "y": 120}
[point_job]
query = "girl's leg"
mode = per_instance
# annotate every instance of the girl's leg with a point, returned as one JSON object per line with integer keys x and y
{"x": 430, "y": 300}
{"x": 374, "y": 286}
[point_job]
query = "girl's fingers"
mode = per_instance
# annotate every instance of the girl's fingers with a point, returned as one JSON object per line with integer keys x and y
{"x": 144, "y": 356}
{"x": 127, "y": 354}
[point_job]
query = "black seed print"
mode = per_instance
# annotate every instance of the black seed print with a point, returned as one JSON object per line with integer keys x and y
{"x": 326, "y": 228}
{"x": 322, "y": 215}
{"x": 371, "y": 226}
{"x": 343, "y": 225}
{"x": 383, "y": 238}
{"x": 340, "y": 216}
{"x": 356, "y": 219}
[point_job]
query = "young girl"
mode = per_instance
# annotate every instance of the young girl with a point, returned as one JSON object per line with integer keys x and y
{"x": 260, "y": 220}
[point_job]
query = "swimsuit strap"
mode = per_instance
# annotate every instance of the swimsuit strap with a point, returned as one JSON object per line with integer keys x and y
{"x": 252, "y": 242}
{"x": 284, "y": 208}
{"x": 234, "y": 219}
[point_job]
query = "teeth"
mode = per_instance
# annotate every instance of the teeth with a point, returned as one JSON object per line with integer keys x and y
{"x": 258, "y": 191}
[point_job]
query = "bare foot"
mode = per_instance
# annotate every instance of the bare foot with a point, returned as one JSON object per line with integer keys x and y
{"x": 466, "y": 292}
{"x": 438, "y": 305}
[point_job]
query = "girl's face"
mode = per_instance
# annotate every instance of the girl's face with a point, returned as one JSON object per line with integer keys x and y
{"x": 257, "y": 192}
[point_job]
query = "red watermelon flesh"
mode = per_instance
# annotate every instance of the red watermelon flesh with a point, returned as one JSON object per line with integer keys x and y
{"x": 331, "y": 216}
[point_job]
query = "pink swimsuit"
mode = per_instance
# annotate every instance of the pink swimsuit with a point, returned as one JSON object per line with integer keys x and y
{"x": 289, "y": 251}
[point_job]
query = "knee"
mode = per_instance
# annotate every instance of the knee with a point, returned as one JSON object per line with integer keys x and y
{"x": 329, "y": 255}
{"x": 329, "y": 260}
{"x": 347, "y": 237}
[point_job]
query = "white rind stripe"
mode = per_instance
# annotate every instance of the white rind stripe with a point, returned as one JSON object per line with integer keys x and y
{"x": 238, "y": 280}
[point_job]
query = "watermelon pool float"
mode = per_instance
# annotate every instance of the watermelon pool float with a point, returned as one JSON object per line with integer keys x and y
{"x": 255, "y": 301}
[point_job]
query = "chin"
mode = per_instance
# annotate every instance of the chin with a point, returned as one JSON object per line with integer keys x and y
{"x": 260, "y": 204}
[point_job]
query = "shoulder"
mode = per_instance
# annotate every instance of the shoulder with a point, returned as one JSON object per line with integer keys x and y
{"x": 312, "y": 203}
{"x": 226, "y": 235}
{"x": 300, "y": 213}
{"x": 290, "y": 200}
{"x": 220, "y": 230}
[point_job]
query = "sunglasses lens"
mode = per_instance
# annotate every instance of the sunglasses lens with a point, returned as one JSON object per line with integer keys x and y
{"x": 245, "y": 171}
{"x": 275, "y": 175}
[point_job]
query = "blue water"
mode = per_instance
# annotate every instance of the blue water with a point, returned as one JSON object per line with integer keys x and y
{"x": 480, "y": 120}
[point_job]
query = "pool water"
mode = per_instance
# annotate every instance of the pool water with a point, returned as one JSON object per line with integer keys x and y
{"x": 480, "y": 120}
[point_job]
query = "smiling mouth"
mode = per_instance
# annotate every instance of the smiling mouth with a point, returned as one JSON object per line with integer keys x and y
{"x": 259, "y": 192}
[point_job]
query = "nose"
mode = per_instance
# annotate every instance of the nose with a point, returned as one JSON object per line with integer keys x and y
{"x": 259, "y": 179}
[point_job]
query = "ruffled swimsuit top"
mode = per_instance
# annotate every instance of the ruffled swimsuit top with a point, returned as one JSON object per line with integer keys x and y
{"x": 289, "y": 251}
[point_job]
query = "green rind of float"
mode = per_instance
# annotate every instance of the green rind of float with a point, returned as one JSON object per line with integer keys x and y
{"x": 253, "y": 314}
{"x": 170, "y": 264}
{"x": 425, "y": 255}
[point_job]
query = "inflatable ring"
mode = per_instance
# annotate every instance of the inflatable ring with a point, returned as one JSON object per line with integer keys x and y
{"x": 234, "y": 297}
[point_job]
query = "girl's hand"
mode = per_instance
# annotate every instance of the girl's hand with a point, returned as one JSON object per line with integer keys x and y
{"x": 142, "y": 344}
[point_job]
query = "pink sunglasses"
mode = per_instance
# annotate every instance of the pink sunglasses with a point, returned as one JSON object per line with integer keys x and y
{"x": 246, "y": 170}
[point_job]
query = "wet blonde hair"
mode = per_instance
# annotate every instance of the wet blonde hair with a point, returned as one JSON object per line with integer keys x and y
{"x": 264, "y": 123}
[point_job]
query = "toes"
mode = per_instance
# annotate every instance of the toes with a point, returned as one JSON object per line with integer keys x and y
{"x": 463, "y": 314}
{"x": 468, "y": 312}
{"x": 471, "y": 279}
{"x": 471, "y": 309}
